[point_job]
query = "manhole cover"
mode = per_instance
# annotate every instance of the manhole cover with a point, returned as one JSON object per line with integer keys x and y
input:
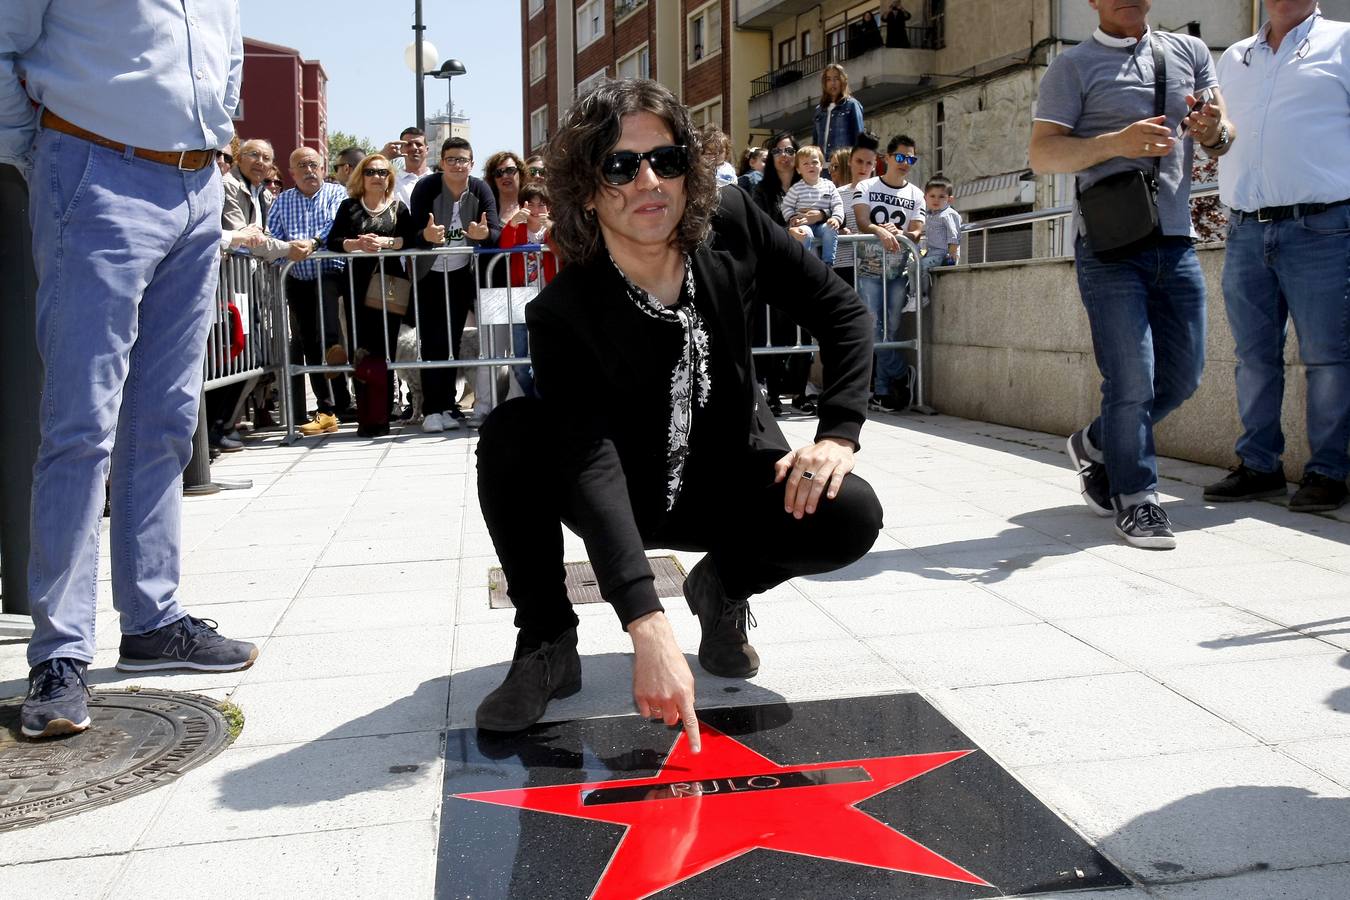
{"x": 138, "y": 741}
{"x": 581, "y": 585}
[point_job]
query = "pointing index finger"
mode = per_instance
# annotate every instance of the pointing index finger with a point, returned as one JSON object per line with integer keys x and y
{"x": 690, "y": 719}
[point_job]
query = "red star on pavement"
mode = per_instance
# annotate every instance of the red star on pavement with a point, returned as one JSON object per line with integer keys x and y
{"x": 703, "y": 810}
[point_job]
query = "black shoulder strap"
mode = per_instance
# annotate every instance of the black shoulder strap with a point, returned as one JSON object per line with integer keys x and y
{"x": 1159, "y": 89}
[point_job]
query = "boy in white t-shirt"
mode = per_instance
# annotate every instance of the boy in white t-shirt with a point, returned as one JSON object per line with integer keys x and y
{"x": 888, "y": 206}
{"x": 815, "y": 203}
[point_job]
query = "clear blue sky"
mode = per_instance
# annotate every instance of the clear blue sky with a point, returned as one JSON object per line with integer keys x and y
{"x": 371, "y": 90}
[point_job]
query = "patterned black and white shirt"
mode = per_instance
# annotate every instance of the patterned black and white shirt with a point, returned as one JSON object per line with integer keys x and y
{"x": 690, "y": 382}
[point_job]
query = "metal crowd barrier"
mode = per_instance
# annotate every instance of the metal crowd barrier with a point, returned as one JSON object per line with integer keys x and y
{"x": 508, "y": 310}
{"x": 252, "y": 287}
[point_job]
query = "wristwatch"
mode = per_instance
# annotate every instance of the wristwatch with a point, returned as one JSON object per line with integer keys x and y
{"x": 1225, "y": 138}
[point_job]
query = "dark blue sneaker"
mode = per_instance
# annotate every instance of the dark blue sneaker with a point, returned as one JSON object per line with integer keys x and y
{"x": 56, "y": 701}
{"x": 1092, "y": 482}
{"x": 189, "y": 643}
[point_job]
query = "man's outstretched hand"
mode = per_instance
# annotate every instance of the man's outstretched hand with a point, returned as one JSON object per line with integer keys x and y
{"x": 663, "y": 686}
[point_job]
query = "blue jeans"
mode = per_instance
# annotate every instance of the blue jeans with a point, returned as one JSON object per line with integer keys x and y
{"x": 1301, "y": 268}
{"x": 127, "y": 265}
{"x": 1147, "y": 315}
{"x": 827, "y": 238}
{"x": 890, "y": 363}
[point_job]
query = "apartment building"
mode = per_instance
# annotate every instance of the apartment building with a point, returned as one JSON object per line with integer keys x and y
{"x": 284, "y": 99}
{"x": 690, "y": 46}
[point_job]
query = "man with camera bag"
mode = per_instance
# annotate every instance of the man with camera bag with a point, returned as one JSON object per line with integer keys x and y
{"x": 1121, "y": 112}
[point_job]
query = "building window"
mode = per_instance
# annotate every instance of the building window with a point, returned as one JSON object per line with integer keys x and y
{"x": 806, "y": 44}
{"x": 623, "y": 7}
{"x": 539, "y": 127}
{"x": 835, "y": 42}
{"x": 937, "y": 17}
{"x": 536, "y": 6}
{"x": 705, "y": 32}
{"x": 591, "y": 81}
{"x": 786, "y": 52}
{"x": 637, "y": 64}
{"x": 590, "y": 23}
{"x": 538, "y": 59}
{"x": 939, "y": 133}
{"x": 708, "y": 112}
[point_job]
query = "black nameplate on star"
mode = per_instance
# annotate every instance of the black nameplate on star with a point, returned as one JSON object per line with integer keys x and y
{"x": 866, "y": 797}
{"x": 733, "y": 785}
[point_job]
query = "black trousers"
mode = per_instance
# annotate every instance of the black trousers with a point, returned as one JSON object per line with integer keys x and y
{"x": 303, "y": 298}
{"x": 440, "y": 336}
{"x": 753, "y": 544}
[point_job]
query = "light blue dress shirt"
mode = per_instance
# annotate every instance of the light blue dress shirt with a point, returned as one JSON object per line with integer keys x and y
{"x": 1291, "y": 110}
{"x": 155, "y": 74}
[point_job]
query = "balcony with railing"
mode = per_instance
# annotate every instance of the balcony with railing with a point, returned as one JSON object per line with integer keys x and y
{"x": 786, "y": 98}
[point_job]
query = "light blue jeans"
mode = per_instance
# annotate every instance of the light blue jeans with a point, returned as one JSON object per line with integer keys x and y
{"x": 127, "y": 265}
{"x": 890, "y": 363}
{"x": 826, "y": 238}
{"x": 1297, "y": 268}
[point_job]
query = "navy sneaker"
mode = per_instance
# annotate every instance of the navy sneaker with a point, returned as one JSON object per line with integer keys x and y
{"x": 1146, "y": 525}
{"x": 1092, "y": 482}
{"x": 56, "y": 701}
{"x": 189, "y": 643}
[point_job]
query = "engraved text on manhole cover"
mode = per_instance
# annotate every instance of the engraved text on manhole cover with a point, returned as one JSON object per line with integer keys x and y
{"x": 582, "y": 587}
{"x": 138, "y": 741}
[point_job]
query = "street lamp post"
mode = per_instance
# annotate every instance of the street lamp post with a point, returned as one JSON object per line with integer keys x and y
{"x": 448, "y": 70}
{"x": 420, "y": 56}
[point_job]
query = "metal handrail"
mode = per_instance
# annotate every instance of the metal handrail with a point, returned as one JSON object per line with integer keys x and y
{"x": 1050, "y": 214}
{"x": 921, "y": 37}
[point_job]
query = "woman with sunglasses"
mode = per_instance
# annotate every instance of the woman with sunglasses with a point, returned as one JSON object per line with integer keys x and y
{"x": 783, "y": 374}
{"x": 372, "y": 219}
{"x": 648, "y": 430}
{"x": 839, "y": 116}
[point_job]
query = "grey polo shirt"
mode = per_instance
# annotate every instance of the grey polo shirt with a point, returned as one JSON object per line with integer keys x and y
{"x": 1094, "y": 89}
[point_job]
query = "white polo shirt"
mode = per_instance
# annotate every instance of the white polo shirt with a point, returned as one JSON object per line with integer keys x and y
{"x": 1291, "y": 110}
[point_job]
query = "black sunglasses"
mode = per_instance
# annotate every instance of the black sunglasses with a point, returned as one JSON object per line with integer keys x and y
{"x": 376, "y": 173}
{"x": 667, "y": 162}
{"x": 784, "y": 151}
{"x": 229, "y": 160}
{"x": 276, "y": 181}
{"x": 504, "y": 171}
{"x": 535, "y": 170}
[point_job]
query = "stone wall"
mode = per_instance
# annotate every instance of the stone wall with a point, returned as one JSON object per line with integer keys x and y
{"x": 1009, "y": 343}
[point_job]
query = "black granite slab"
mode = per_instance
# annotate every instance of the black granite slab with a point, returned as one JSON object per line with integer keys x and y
{"x": 765, "y": 779}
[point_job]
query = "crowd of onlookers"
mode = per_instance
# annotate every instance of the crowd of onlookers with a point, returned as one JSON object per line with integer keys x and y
{"x": 365, "y": 311}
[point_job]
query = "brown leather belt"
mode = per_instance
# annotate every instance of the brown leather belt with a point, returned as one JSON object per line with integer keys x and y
{"x": 187, "y": 160}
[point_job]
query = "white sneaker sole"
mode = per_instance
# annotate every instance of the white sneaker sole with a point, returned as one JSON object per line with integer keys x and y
{"x": 1078, "y": 465}
{"x": 1148, "y": 543}
{"x": 157, "y": 665}
{"x": 57, "y": 727}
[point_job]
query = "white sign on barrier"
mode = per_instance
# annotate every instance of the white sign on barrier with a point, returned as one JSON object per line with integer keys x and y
{"x": 492, "y": 305}
{"x": 241, "y": 303}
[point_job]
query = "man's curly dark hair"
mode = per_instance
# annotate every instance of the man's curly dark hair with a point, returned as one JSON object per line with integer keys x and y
{"x": 588, "y": 135}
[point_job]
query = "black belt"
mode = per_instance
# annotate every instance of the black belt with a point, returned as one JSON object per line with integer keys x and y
{"x": 1294, "y": 211}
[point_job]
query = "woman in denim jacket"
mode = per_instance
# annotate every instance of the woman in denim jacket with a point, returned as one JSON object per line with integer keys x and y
{"x": 839, "y": 117}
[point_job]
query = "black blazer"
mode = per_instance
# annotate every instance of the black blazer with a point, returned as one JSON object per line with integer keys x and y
{"x": 585, "y": 343}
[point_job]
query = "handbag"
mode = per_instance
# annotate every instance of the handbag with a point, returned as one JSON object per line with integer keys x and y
{"x": 1120, "y": 212}
{"x": 389, "y": 293}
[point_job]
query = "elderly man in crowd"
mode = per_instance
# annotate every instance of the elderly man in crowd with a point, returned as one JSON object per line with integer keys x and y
{"x": 1098, "y": 117}
{"x": 1288, "y": 184}
{"x": 125, "y": 212}
{"x": 314, "y": 288}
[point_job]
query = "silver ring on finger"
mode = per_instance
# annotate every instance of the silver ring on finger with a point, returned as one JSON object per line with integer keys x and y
{"x": 808, "y": 476}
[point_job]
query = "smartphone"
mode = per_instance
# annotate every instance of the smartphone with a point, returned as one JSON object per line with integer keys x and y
{"x": 1205, "y": 96}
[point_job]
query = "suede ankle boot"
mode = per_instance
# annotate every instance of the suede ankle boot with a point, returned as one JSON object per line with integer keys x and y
{"x": 537, "y": 675}
{"x": 724, "y": 648}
